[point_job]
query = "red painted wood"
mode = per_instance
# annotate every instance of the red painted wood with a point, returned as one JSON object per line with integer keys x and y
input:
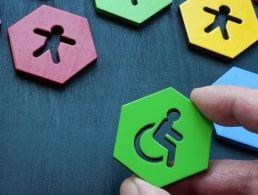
{"x": 73, "y": 58}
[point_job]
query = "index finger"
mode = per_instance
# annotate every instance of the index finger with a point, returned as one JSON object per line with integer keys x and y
{"x": 228, "y": 105}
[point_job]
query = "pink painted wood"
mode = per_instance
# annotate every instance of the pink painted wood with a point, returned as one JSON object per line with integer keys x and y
{"x": 73, "y": 58}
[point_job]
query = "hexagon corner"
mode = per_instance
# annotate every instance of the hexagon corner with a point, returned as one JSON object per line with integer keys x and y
{"x": 138, "y": 148}
{"x": 239, "y": 33}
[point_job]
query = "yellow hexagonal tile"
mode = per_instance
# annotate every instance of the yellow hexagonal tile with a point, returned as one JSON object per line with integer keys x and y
{"x": 241, "y": 26}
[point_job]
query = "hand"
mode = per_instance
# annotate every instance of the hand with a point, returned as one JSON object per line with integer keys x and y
{"x": 226, "y": 105}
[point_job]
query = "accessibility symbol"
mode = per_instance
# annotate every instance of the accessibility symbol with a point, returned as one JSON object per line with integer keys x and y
{"x": 51, "y": 44}
{"x": 163, "y": 134}
{"x": 223, "y": 27}
{"x": 163, "y": 138}
{"x": 135, "y": 12}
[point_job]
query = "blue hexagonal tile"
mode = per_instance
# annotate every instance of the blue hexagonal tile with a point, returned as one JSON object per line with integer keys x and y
{"x": 239, "y": 135}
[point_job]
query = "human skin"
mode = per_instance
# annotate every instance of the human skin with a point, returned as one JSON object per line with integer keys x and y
{"x": 225, "y": 105}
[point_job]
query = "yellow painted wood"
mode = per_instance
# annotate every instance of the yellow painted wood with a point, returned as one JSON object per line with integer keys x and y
{"x": 241, "y": 36}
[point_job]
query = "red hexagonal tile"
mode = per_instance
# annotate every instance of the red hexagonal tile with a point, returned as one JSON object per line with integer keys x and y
{"x": 28, "y": 37}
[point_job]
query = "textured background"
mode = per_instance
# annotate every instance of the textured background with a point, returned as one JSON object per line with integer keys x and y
{"x": 60, "y": 141}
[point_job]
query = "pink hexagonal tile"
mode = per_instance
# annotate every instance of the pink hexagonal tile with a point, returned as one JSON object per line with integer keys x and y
{"x": 29, "y": 37}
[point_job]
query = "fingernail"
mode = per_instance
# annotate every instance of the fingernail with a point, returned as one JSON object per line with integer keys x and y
{"x": 136, "y": 186}
{"x": 129, "y": 187}
{"x": 146, "y": 188}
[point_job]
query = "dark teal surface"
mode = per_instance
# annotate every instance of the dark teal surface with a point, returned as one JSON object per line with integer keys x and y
{"x": 60, "y": 140}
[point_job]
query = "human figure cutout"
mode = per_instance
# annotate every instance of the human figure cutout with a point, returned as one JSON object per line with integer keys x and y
{"x": 166, "y": 130}
{"x": 222, "y": 16}
{"x": 134, "y": 2}
{"x": 164, "y": 134}
{"x": 54, "y": 38}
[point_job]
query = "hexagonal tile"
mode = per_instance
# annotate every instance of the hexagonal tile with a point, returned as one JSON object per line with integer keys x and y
{"x": 238, "y": 135}
{"x": 135, "y": 12}
{"x": 76, "y": 49}
{"x": 143, "y": 119}
{"x": 240, "y": 28}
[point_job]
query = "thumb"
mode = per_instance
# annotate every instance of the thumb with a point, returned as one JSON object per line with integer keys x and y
{"x": 135, "y": 186}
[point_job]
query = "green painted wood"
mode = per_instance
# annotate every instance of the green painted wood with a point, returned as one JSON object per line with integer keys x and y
{"x": 145, "y": 118}
{"x": 133, "y": 11}
{"x": 61, "y": 140}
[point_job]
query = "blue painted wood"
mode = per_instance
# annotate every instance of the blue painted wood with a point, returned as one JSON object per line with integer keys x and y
{"x": 60, "y": 140}
{"x": 238, "y": 135}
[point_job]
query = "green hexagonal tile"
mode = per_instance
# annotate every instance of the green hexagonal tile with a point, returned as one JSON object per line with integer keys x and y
{"x": 133, "y": 11}
{"x": 143, "y": 118}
